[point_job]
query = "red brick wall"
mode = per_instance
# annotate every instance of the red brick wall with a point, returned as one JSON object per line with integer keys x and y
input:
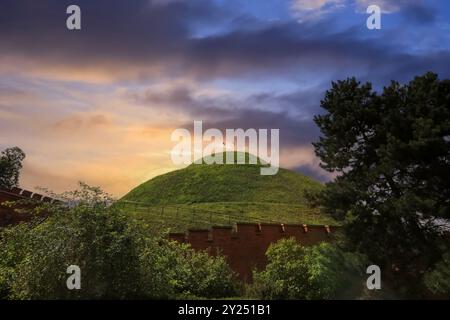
{"x": 10, "y": 215}
{"x": 245, "y": 247}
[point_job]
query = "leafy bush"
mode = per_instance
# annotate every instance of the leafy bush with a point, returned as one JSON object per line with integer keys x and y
{"x": 118, "y": 258}
{"x": 90, "y": 235}
{"x": 438, "y": 279}
{"x": 174, "y": 270}
{"x": 322, "y": 271}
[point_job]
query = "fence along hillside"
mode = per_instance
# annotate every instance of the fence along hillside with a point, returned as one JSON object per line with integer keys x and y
{"x": 242, "y": 238}
{"x": 180, "y": 217}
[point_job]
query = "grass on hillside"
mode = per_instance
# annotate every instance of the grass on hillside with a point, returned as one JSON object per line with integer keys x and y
{"x": 223, "y": 183}
{"x": 180, "y": 217}
{"x": 203, "y": 195}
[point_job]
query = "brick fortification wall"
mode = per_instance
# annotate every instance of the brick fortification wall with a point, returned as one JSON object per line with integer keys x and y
{"x": 245, "y": 246}
{"x": 9, "y": 215}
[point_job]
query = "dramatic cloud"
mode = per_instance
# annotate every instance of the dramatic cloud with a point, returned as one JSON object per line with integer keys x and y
{"x": 307, "y": 10}
{"x": 142, "y": 40}
{"x": 99, "y": 104}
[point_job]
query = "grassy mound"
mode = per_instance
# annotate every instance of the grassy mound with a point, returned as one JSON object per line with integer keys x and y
{"x": 200, "y": 183}
{"x": 201, "y": 195}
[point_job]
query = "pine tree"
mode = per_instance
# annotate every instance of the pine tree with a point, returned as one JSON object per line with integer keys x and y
{"x": 392, "y": 154}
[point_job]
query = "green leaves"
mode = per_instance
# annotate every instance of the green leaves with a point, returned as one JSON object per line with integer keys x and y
{"x": 174, "y": 270}
{"x": 118, "y": 258}
{"x": 319, "y": 272}
{"x": 394, "y": 162}
{"x": 438, "y": 279}
{"x": 10, "y": 166}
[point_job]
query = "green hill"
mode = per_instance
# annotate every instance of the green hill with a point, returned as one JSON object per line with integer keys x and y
{"x": 201, "y": 194}
{"x": 200, "y": 183}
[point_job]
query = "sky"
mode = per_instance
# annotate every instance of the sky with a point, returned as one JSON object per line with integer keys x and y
{"x": 99, "y": 104}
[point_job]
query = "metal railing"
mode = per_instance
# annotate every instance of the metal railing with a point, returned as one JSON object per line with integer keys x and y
{"x": 193, "y": 217}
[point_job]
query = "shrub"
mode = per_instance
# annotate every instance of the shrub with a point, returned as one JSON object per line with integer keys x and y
{"x": 118, "y": 258}
{"x": 199, "y": 274}
{"x": 437, "y": 280}
{"x": 323, "y": 271}
{"x": 91, "y": 235}
{"x": 175, "y": 270}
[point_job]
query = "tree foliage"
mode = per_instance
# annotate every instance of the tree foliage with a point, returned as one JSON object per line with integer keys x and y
{"x": 391, "y": 152}
{"x": 185, "y": 273}
{"x": 118, "y": 258}
{"x": 437, "y": 279}
{"x": 10, "y": 166}
{"x": 323, "y": 271}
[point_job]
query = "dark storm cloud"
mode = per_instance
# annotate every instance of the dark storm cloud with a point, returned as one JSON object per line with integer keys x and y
{"x": 294, "y": 132}
{"x": 276, "y": 70}
{"x": 300, "y": 103}
{"x": 182, "y": 99}
{"x": 254, "y": 111}
{"x": 419, "y": 13}
{"x": 126, "y": 32}
{"x": 141, "y": 34}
